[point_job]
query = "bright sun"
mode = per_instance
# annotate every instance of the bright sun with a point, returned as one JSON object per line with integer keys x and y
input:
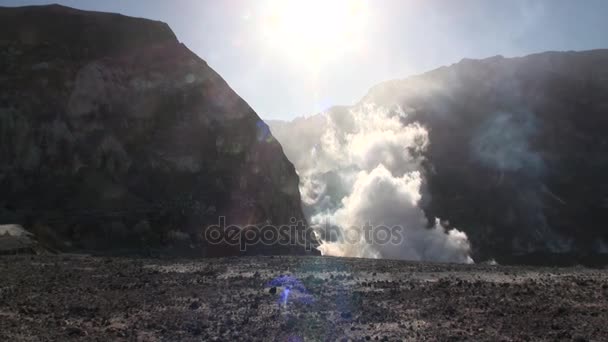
{"x": 315, "y": 31}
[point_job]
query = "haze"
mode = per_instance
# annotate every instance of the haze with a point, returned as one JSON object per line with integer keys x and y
{"x": 290, "y": 58}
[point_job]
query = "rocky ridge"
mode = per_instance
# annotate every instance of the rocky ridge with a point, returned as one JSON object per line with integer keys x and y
{"x": 114, "y": 135}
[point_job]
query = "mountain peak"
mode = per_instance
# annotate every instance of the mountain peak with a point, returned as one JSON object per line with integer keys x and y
{"x": 98, "y": 33}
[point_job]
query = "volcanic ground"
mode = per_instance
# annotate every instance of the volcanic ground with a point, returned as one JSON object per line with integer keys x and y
{"x": 73, "y": 297}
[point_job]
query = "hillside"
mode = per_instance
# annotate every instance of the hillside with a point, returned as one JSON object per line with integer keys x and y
{"x": 115, "y": 136}
{"x": 515, "y": 152}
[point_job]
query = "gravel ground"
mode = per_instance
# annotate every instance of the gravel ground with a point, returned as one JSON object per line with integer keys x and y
{"x": 60, "y": 298}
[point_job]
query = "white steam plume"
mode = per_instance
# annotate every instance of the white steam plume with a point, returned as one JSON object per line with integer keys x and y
{"x": 365, "y": 170}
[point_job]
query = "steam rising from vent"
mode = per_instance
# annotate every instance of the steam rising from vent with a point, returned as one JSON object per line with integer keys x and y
{"x": 503, "y": 143}
{"x": 365, "y": 171}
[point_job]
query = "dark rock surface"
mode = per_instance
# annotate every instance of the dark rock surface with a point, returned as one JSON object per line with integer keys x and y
{"x": 518, "y": 152}
{"x": 114, "y": 135}
{"x": 330, "y": 299}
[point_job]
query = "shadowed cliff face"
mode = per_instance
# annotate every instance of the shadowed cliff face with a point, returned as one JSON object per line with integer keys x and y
{"x": 516, "y": 154}
{"x": 115, "y": 135}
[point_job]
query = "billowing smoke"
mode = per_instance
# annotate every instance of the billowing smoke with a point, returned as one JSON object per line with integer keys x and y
{"x": 361, "y": 186}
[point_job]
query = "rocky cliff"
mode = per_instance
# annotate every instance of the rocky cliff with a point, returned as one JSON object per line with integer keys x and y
{"x": 114, "y": 135}
{"x": 517, "y": 151}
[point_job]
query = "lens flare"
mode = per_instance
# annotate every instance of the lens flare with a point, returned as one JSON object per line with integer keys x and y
{"x": 292, "y": 289}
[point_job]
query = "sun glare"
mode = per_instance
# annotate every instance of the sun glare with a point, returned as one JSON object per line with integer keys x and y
{"x": 315, "y": 31}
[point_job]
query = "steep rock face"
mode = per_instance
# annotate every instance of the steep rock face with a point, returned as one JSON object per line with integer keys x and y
{"x": 113, "y": 134}
{"x": 517, "y": 154}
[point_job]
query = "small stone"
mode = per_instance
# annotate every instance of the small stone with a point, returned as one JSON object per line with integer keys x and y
{"x": 273, "y": 290}
{"x": 75, "y": 331}
{"x": 195, "y": 305}
{"x": 346, "y": 315}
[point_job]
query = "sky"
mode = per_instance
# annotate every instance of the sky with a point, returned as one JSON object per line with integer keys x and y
{"x": 296, "y": 58}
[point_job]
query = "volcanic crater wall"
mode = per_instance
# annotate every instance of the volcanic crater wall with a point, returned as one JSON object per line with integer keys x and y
{"x": 516, "y": 153}
{"x": 113, "y": 135}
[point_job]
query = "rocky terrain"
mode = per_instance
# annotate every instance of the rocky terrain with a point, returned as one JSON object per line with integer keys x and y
{"x": 115, "y": 136}
{"x": 516, "y": 154}
{"x": 65, "y": 298}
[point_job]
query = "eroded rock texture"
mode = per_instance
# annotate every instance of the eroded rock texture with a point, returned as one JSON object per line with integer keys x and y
{"x": 518, "y": 153}
{"x": 114, "y": 135}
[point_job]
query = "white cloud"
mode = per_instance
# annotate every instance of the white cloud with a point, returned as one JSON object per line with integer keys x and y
{"x": 366, "y": 170}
